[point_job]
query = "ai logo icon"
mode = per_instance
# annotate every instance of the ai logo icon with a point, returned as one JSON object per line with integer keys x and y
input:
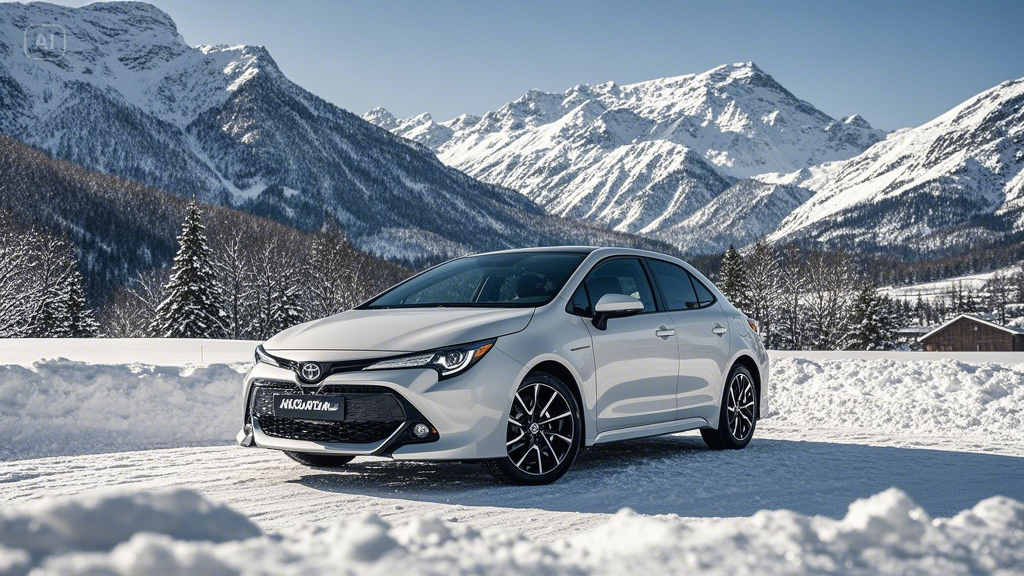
{"x": 45, "y": 42}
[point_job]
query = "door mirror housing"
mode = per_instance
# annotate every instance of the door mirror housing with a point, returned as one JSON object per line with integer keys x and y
{"x": 615, "y": 306}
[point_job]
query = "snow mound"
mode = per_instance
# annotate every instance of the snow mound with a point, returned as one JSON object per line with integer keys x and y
{"x": 937, "y": 398}
{"x": 59, "y": 407}
{"x": 181, "y": 533}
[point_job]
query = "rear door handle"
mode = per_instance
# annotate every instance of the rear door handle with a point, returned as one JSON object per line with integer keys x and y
{"x": 719, "y": 330}
{"x": 664, "y": 332}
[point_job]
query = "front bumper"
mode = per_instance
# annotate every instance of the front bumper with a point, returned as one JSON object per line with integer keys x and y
{"x": 467, "y": 414}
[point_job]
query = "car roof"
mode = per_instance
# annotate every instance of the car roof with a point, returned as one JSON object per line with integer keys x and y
{"x": 601, "y": 250}
{"x": 572, "y": 249}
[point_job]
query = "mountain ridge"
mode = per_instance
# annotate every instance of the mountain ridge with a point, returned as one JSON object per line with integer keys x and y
{"x": 224, "y": 124}
{"x": 668, "y": 146}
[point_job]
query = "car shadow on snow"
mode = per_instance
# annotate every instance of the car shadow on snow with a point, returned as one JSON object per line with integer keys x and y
{"x": 678, "y": 475}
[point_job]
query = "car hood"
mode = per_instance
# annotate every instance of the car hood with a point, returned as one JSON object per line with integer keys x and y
{"x": 401, "y": 329}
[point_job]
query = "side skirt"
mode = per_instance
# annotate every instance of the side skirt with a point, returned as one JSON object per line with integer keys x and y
{"x": 651, "y": 430}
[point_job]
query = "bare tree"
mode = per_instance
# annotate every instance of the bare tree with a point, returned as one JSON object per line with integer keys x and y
{"x": 330, "y": 274}
{"x": 764, "y": 287}
{"x": 999, "y": 292}
{"x": 132, "y": 307}
{"x": 831, "y": 278}
{"x": 791, "y": 328}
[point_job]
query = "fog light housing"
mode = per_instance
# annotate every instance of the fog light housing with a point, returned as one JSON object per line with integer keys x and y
{"x": 421, "y": 430}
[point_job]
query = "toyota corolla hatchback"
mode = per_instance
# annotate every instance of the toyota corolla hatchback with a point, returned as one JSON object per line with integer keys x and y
{"x": 516, "y": 359}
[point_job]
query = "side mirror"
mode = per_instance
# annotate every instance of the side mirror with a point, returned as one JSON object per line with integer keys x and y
{"x": 615, "y": 306}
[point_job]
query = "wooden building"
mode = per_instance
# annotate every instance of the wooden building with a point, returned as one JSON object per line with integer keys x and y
{"x": 969, "y": 334}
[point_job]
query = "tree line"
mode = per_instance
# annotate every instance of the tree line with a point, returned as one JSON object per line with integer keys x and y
{"x": 809, "y": 299}
{"x": 818, "y": 299}
{"x": 246, "y": 282}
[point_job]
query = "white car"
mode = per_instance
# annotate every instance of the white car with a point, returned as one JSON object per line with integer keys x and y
{"x": 517, "y": 359}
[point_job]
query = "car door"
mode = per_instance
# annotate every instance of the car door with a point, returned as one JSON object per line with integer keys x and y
{"x": 702, "y": 338}
{"x": 636, "y": 356}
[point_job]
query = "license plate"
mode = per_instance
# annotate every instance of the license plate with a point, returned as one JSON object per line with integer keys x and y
{"x": 305, "y": 407}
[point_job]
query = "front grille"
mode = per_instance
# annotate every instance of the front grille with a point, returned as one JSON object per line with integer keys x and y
{"x": 372, "y": 413}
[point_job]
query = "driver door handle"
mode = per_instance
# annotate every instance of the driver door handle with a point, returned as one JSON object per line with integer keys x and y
{"x": 719, "y": 330}
{"x": 664, "y": 332}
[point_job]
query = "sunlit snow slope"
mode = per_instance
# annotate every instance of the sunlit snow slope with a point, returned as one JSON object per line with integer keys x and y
{"x": 643, "y": 157}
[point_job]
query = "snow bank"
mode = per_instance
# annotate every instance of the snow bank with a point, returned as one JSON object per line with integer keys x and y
{"x": 60, "y": 407}
{"x": 181, "y": 533}
{"x": 156, "y": 351}
{"x": 940, "y": 398}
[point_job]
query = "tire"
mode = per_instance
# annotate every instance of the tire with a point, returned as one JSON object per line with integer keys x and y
{"x": 541, "y": 447}
{"x": 320, "y": 460}
{"x": 738, "y": 416}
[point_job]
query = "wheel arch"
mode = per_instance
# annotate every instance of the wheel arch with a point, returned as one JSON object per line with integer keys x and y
{"x": 563, "y": 373}
{"x": 751, "y": 365}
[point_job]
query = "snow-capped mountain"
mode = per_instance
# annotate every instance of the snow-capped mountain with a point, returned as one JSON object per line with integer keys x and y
{"x": 740, "y": 215}
{"x": 131, "y": 99}
{"x": 641, "y": 157}
{"x": 942, "y": 186}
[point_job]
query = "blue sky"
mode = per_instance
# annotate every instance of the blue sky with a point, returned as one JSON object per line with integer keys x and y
{"x": 896, "y": 63}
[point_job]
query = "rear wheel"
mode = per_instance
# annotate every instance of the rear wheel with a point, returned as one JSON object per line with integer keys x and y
{"x": 320, "y": 460}
{"x": 738, "y": 416}
{"x": 543, "y": 433}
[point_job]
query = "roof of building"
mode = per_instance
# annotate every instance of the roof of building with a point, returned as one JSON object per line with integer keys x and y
{"x": 1010, "y": 329}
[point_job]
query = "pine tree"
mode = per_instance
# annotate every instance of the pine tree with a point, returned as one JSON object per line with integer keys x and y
{"x": 734, "y": 279}
{"x": 193, "y": 303}
{"x": 872, "y": 320}
{"x": 81, "y": 323}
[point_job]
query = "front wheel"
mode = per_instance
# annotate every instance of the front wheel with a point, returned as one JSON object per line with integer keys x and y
{"x": 543, "y": 434}
{"x": 320, "y": 460}
{"x": 738, "y": 416}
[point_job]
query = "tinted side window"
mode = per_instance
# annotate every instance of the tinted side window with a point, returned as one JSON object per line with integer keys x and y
{"x": 581, "y": 302}
{"x": 704, "y": 295}
{"x": 620, "y": 276}
{"x": 675, "y": 285}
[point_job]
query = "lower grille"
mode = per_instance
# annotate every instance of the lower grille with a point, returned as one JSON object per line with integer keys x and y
{"x": 372, "y": 414}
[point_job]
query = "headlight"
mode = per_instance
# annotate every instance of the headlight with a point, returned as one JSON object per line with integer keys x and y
{"x": 447, "y": 361}
{"x": 264, "y": 358}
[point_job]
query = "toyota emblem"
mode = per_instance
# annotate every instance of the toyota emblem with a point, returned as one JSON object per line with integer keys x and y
{"x": 310, "y": 371}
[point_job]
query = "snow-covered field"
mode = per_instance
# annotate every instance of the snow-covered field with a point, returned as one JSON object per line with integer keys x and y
{"x": 880, "y": 464}
{"x": 932, "y": 290}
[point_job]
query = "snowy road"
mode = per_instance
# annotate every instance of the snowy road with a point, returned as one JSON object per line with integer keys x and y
{"x": 99, "y": 458}
{"x": 819, "y": 474}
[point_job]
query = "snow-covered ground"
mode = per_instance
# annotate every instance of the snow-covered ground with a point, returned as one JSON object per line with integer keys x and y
{"x": 159, "y": 352}
{"x": 930, "y": 291}
{"x": 114, "y": 468}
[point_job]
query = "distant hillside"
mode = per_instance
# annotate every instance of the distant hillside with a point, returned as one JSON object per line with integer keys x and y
{"x": 119, "y": 227}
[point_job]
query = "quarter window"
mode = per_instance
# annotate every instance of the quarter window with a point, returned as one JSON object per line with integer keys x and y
{"x": 704, "y": 296}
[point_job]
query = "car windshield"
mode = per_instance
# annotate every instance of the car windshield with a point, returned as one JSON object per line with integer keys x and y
{"x": 513, "y": 280}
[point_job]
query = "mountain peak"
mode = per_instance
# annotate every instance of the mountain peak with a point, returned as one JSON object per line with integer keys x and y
{"x": 856, "y": 120}
{"x": 135, "y": 12}
{"x": 381, "y": 117}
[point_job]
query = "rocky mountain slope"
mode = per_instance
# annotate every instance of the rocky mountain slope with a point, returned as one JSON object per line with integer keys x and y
{"x": 687, "y": 160}
{"x": 131, "y": 99}
{"x": 941, "y": 187}
{"x": 642, "y": 157}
